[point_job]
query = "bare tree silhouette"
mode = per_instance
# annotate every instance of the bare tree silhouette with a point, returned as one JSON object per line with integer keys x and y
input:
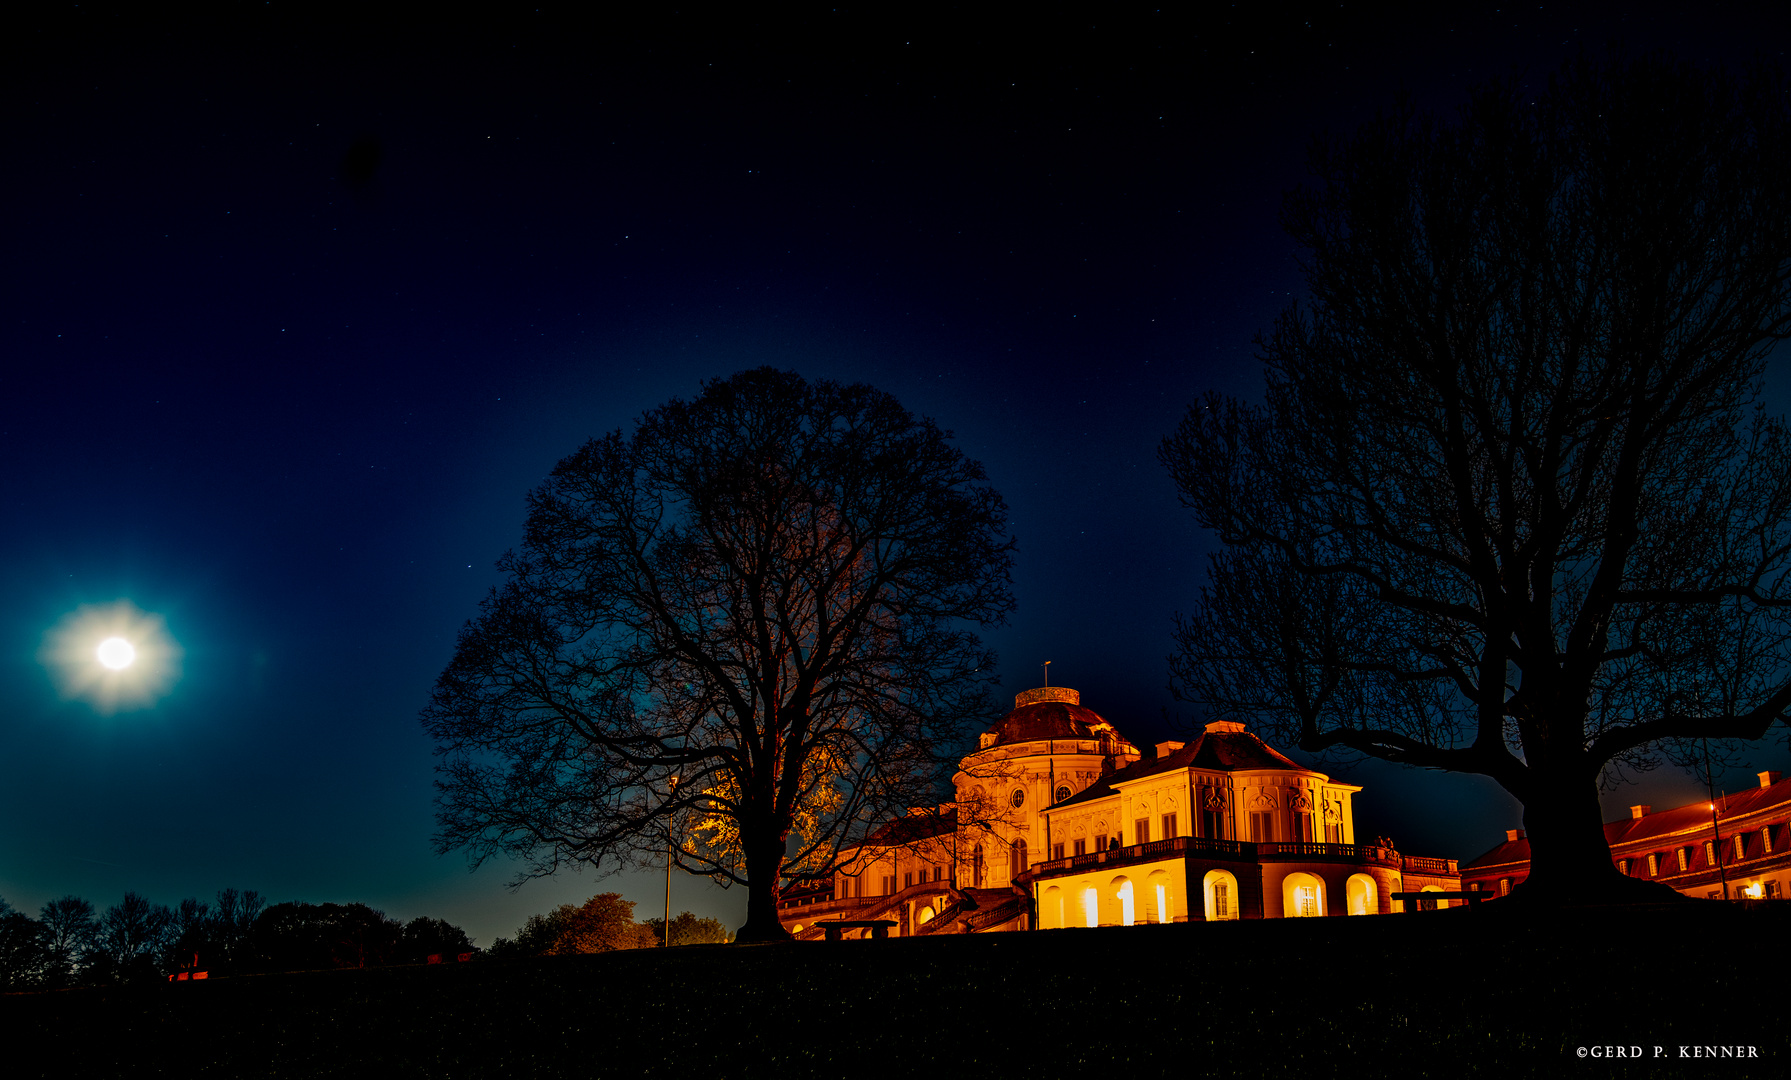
{"x": 764, "y": 592}
{"x": 1509, "y": 506}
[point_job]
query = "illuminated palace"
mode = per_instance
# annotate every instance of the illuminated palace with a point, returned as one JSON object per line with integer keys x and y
{"x": 1742, "y": 842}
{"x": 1059, "y": 821}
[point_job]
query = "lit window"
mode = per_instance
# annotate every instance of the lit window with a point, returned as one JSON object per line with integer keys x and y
{"x": 1684, "y": 857}
{"x": 1766, "y": 840}
{"x": 1221, "y": 900}
{"x": 1504, "y": 886}
{"x": 1654, "y": 864}
{"x": 1623, "y": 867}
{"x": 1305, "y": 901}
{"x": 1740, "y": 846}
{"x": 1710, "y": 852}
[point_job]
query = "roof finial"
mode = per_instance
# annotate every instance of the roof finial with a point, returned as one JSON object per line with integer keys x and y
{"x": 1047, "y": 673}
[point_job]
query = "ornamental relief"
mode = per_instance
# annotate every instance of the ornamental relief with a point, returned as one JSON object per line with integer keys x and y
{"x": 1301, "y": 800}
{"x": 1265, "y": 799}
{"x": 1215, "y": 799}
{"x": 1333, "y": 813}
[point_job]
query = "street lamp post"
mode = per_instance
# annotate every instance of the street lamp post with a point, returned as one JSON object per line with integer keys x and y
{"x": 666, "y": 927}
{"x": 1716, "y": 836}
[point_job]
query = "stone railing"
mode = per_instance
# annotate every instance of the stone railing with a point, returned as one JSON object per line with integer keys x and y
{"x": 1418, "y": 864}
{"x": 1231, "y": 851}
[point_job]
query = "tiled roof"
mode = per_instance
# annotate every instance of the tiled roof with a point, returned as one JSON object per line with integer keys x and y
{"x": 1738, "y": 804}
{"x": 1511, "y": 851}
{"x": 1223, "y": 751}
{"x": 1639, "y": 831}
{"x": 1054, "y": 720}
{"x": 914, "y": 827}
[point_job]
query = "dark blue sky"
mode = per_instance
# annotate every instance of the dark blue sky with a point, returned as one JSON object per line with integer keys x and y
{"x": 296, "y": 310}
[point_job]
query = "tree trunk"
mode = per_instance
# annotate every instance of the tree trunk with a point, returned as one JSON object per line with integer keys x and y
{"x": 1570, "y": 859}
{"x": 764, "y": 860}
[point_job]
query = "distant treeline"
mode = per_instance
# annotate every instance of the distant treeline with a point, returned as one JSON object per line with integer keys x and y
{"x": 603, "y": 923}
{"x": 72, "y": 944}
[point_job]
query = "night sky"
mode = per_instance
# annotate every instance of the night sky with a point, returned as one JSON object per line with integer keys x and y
{"x": 296, "y": 310}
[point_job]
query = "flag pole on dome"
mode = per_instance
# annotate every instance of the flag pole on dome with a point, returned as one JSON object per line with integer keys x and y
{"x": 1047, "y": 673}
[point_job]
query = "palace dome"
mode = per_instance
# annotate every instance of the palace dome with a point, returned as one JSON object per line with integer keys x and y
{"x": 1054, "y": 712}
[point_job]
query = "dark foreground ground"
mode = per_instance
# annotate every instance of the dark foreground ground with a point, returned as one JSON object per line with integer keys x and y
{"x": 1474, "y": 993}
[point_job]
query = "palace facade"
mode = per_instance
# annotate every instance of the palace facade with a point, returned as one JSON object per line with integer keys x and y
{"x": 1060, "y": 821}
{"x": 1741, "y": 843}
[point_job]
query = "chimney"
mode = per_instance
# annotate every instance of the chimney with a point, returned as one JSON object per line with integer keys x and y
{"x": 1164, "y": 749}
{"x": 1767, "y": 779}
{"x": 1512, "y": 836}
{"x": 1639, "y": 812}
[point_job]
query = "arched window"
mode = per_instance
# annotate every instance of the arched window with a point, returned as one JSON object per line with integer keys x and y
{"x": 1221, "y": 890}
{"x": 1122, "y": 892}
{"x": 1302, "y": 896}
{"x": 1364, "y": 897}
{"x": 1156, "y": 897}
{"x": 1091, "y": 907}
{"x": 1051, "y": 909}
{"x": 1018, "y": 854}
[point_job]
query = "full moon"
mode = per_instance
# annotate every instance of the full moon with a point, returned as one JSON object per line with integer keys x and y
{"x": 116, "y": 653}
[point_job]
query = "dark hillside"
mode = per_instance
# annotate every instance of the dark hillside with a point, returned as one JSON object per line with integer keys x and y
{"x": 1437, "y": 994}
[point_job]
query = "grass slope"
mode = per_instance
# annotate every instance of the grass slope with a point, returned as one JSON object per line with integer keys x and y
{"x": 1438, "y": 994}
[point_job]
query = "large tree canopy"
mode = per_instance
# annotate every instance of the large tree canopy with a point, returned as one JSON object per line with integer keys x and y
{"x": 765, "y": 593}
{"x": 1508, "y": 506}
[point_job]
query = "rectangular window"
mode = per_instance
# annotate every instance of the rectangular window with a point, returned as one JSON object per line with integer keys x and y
{"x": 1302, "y": 824}
{"x": 1057, "y": 851}
{"x": 908, "y": 879}
{"x": 1221, "y": 900}
{"x": 858, "y": 887}
{"x": 1654, "y": 864}
{"x": 1081, "y": 847}
{"x": 938, "y": 872}
{"x": 1772, "y": 890}
{"x": 1141, "y": 831}
{"x": 1212, "y": 824}
{"x": 889, "y": 885}
{"x": 1169, "y": 830}
{"x": 1262, "y": 827}
{"x": 1112, "y": 842}
{"x": 1334, "y": 833}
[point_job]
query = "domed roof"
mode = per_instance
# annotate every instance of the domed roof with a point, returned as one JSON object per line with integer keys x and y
{"x": 1054, "y": 712}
